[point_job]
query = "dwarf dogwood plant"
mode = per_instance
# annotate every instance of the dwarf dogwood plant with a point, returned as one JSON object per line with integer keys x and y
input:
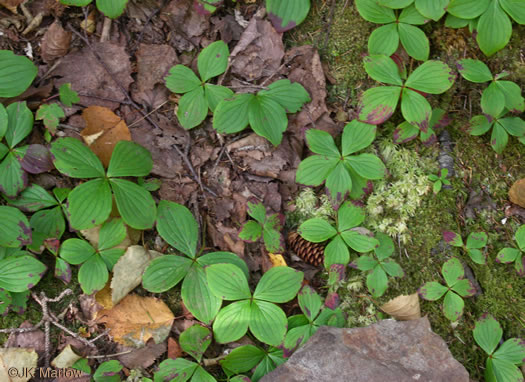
{"x": 456, "y": 288}
{"x": 346, "y": 234}
{"x": 341, "y": 171}
{"x": 439, "y": 180}
{"x": 244, "y": 358}
{"x": 515, "y": 255}
{"x": 406, "y": 132}
{"x": 286, "y": 15}
{"x": 16, "y": 74}
{"x": 267, "y": 226}
{"x": 474, "y": 245}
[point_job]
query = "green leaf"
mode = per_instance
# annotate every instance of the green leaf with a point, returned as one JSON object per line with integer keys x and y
{"x": 416, "y": 109}
{"x": 505, "y": 371}
{"x": 108, "y": 371}
{"x": 520, "y": 237}
{"x": 365, "y": 263}
{"x": 383, "y": 69}
{"x": 49, "y": 222}
{"x": 90, "y": 204}
{"x": 467, "y": 9}
{"x": 499, "y": 138}
{"x": 33, "y": 198}
{"x": 474, "y": 70}
{"x": 512, "y": 350}
{"x": 113, "y": 8}
{"x": 507, "y": 255}
{"x": 215, "y": 94}
{"x": 369, "y": 166}
{"x": 386, "y": 246}
{"x": 20, "y": 273}
{"x": 476, "y": 256}
{"x": 231, "y": 115}
{"x": 129, "y": 159}
{"x": 432, "y": 291}
{"x": 267, "y": 322}
{"x": 375, "y": 13}
{"x": 395, "y": 4}
{"x": 76, "y": 251}
{"x": 378, "y": 104}
{"x": 433, "y": 9}
{"x": 377, "y": 282}
{"x": 405, "y": 132}
{"x": 279, "y": 284}
{"x": 16, "y": 74}
{"x": 316, "y": 230}
{"x": 477, "y": 240}
{"x": 93, "y": 275}
{"x": 410, "y": 15}
{"x": 437, "y": 186}
{"x": 268, "y": 119}
{"x": 414, "y": 41}
{"x": 339, "y": 182}
{"x": 251, "y": 231}
{"x": 321, "y": 142}
{"x": 195, "y": 340}
{"x": 434, "y": 77}
{"x": 455, "y": 22}
{"x": 296, "y": 337}
{"x": 164, "y": 272}
{"x": 515, "y": 10}
{"x": 291, "y": 96}
{"x": 67, "y": 95}
{"x": 286, "y": 15}
{"x": 349, "y": 216}
{"x": 181, "y": 79}
{"x": 134, "y": 203}
{"x": 14, "y": 228}
{"x": 392, "y": 268}
{"x": 176, "y": 225}
{"x": 5, "y": 301}
{"x": 452, "y": 271}
{"x": 193, "y": 108}
{"x": 479, "y": 125}
{"x": 243, "y": 358}
{"x": 197, "y": 296}
{"x": 13, "y": 179}
{"x": 336, "y": 252}
{"x": 514, "y": 126}
{"x": 50, "y": 114}
{"x": 492, "y": 100}
{"x": 20, "y": 123}
{"x": 315, "y": 169}
{"x": 357, "y": 136}
{"x": 74, "y": 159}
{"x": 178, "y": 370}
{"x": 111, "y": 234}
{"x": 3, "y": 122}
{"x": 453, "y": 306}
{"x": 487, "y": 333}
{"x": 232, "y": 322}
{"x": 224, "y": 257}
{"x": 494, "y": 29}
{"x": 359, "y": 242}
{"x": 77, "y": 3}
{"x": 257, "y": 211}
{"x": 464, "y": 288}
{"x": 512, "y": 92}
{"x": 213, "y": 60}
{"x": 310, "y": 302}
{"x": 272, "y": 237}
{"x": 228, "y": 282}
{"x": 111, "y": 256}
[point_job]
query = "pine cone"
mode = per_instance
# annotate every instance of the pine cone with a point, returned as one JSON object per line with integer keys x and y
{"x": 311, "y": 253}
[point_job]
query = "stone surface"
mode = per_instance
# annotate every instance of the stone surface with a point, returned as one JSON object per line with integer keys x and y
{"x": 389, "y": 351}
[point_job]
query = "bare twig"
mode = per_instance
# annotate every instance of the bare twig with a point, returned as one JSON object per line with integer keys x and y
{"x": 213, "y": 361}
{"x": 108, "y": 355}
{"x": 106, "y": 30}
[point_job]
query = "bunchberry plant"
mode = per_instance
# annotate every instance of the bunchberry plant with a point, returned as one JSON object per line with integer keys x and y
{"x": 286, "y": 15}
{"x": 476, "y": 241}
{"x": 194, "y": 341}
{"x": 96, "y": 263}
{"x": 199, "y": 95}
{"x": 16, "y": 75}
{"x": 439, "y": 180}
{"x": 267, "y": 226}
{"x": 456, "y": 288}
{"x": 265, "y": 111}
{"x": 110, "y": 8}
{"x": 90, "y": 203}
{"x": 514, "y": 255}
{"x": 346, "y": 234}
{"x": 405, "y": 132}
{"x": 177, "y": 226}
{"x": 257, "y": 311}
{"x": 108, "y": 371}
{"x": 490, "y": 19}
{"x": 398, "y": 28}
{"x": 244, "y": 358}
{"x": 502, "y": 364}
{"x": 15, "y": 228}
{"x": 432, "y": 9}
{"x": 379, "y": 265}
{"x": 379, "y": 103}
{"x": 343, "y": 172}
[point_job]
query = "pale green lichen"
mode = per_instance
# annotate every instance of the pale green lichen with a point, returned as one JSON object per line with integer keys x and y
{"x": 360, "y": 311}
{"x": 308, "y": 205}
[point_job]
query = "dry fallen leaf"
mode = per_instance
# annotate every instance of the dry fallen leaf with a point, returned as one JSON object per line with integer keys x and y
{"x": 21, "y": 359}
{"x": 92, "y": 235}
{"x": 517, "y": 193}
{"x": 11, "y": 4}
{"x": 103, "y": 130}
{"x": 89, "y": 24}
{"x": 141, "y": 358}
{"x": 55, "y": 42}
{"x": 136, "y": 319}
{"x": 174, "y": 349}
{"x": 277, "y": 260}
{"x": 403, "y": 308}
{"x": 103, "y": 296}
{"x": 66, "y": 358}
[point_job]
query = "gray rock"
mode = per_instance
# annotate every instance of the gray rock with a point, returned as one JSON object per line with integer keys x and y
{"x": 389, "y": 351}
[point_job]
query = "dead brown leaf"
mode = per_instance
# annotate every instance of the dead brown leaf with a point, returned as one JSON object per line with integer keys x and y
{"x": 34, "y": 339}
{"x": 136, "y": 319}
{"x": 143, "y": 357}
{"x": 174, "y": 349}
{"x": 55, "y": 42}
{"x": 103, "y": 130}
{"x": 185, "y": 23}
{"x": 517, "y": 193}
{"x": 11, "y": 4}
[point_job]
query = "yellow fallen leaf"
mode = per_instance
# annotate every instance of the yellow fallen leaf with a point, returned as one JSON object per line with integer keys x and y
{"x": 20, "y": 359}
{"x": 277, "y": 260}
{"x": 403, "y": 308}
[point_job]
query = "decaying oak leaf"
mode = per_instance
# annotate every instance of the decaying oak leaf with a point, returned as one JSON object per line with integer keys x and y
{"x": 277, "y": 260}
{"x": 403, "y": 308}
{"x": 17, "y": 358}
{"x": 103, "y": 130}
{"x": 136, "y": 319}
{"x": 55, "y": 42}
{"x": 517, "y": 193}
{"x": 66, "y": 358}
{"x": 11, "y": 4}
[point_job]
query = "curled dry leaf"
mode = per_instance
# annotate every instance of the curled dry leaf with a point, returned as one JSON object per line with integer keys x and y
{"x": 277, "y": 260}
{"x": 517, "y": 193}
{"x": 55, "y": 42}
{"x": 66, "y": 358}
{"x": 103, "y": 130}
{"x": 19, "y": 359}
{"x": 403, "y": 308}
{"x": 11, "y": 4}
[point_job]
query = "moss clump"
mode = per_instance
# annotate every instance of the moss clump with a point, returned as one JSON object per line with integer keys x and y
{"x": 307, "y": 206}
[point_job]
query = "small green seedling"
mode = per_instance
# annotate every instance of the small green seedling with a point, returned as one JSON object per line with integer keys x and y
{"x": 90, "y": 203}
{"x": 16, "y": 75}
{"x": 199, "y": 96}
{"x": 207, "y": 7}
{"x": 345, "y": 235}
{"x": 194, "y": 341}
{"x": 267, "y": 226}
{"x": 342, "y": 172}
{"x": 177, "y": 226}
{"x": 67, "y": 95}
{"x": 110, "y": 8}
{"x": 286, "y": 15}
{"x": 439, "y": 180}
{"x": 475, "y": 243}
{"x": 108, "y": 372}
{"x": 245, "y": 358}
{"x": 385, "y": 39}
{"x": 96, "y": 263}
{"x": 457, "y": 287}
{"x": 514, "y": 255}
{"x": 380, "y": 266}
{"x": 257, "y": 311}
{"x": 50, "y": 114}
{"x": 502, "y": 364}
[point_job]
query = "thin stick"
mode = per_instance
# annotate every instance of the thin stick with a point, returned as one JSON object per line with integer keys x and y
{"x": 108, "y": 355}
